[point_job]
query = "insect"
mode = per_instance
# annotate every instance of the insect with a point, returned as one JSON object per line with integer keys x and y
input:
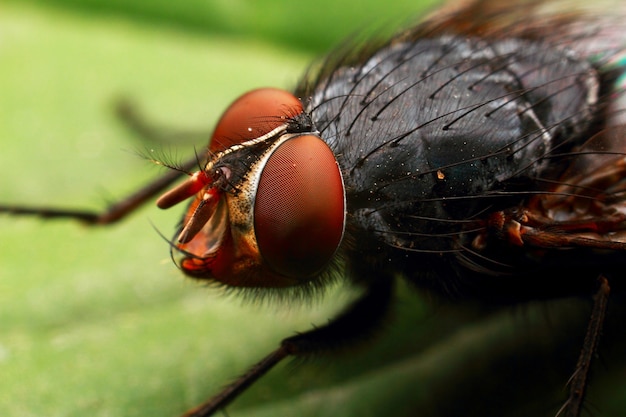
{"x": 477, "y": 157}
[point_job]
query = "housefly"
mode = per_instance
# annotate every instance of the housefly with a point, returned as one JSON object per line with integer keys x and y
{"x": 478, "y": 155}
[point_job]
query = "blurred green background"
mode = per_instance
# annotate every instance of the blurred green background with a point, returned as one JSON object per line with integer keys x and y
{"x": 98, "y": 322}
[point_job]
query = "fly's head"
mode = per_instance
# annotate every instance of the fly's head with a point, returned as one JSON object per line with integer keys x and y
{"x": 268, "y": 208}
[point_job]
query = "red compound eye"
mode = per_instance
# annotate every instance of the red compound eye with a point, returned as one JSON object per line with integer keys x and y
{"x": 299, "y": 210}
{"x": 252, "y": 115}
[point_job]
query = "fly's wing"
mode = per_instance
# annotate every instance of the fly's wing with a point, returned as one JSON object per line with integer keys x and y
{"x": 593, "y": 30}
{"x": 590, "y": 23}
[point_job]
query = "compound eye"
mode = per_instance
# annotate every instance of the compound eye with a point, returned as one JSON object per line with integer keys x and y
{"x": 254, "y": 114}
{"x": 299, "y": 209}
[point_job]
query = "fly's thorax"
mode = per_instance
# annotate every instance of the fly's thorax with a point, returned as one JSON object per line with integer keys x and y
{"x": 435, "y": 131}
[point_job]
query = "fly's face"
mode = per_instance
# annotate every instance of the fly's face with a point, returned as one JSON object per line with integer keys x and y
{"x": 268, "y": 208}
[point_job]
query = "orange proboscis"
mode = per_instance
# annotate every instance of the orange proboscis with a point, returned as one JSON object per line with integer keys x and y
{"x": 196, "y": 182}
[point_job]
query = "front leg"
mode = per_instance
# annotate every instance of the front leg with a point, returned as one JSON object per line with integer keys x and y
{"x": 357, "y": 322}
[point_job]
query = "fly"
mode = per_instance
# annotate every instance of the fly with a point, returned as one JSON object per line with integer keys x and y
{"x": 480, "y": 154}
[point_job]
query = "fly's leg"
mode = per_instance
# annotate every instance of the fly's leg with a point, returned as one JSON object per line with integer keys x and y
{"x": 597, "y": 233}
{"x": 132, "y": 118}
{"x": 113, "y": 213}
{"x": 358, "y": 321}
{"x": 138, "y": 124}
{"x": 578, "y": 381}
{"x": 524, "y": 228}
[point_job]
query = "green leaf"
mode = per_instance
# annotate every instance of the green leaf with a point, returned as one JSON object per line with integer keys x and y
{"x": 313, "y": 26}
{"x": 99, "y": 322}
